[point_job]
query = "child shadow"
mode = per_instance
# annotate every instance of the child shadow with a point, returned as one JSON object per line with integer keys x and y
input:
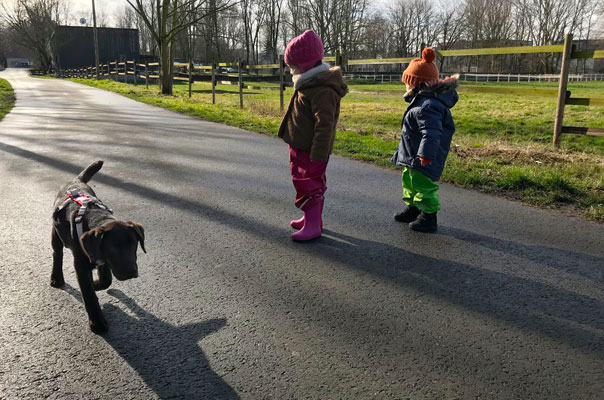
{"x": 167, "y": 357}
{"x": 527, "y": 304}
{"x": 586, "y": 265}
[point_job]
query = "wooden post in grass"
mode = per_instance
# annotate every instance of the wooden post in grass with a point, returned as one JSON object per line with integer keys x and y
{"x": 213, "y": 83}
{"x": 190, "y": 76}
{"x": 281, "y": 80}
{"x": 117, "y": 71}
{"x": 240, "y": 67}
{"x": 147, "y": 75}
{"x": 568, "y": 40}
{"x": 134, "y": 65}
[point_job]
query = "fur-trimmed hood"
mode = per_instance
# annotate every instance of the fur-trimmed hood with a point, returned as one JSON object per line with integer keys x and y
{"x": 330, "y": 77}
{"x": 442, "y": 90}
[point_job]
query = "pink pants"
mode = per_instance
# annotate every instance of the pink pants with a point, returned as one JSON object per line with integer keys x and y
{"x": 308, "y": 178}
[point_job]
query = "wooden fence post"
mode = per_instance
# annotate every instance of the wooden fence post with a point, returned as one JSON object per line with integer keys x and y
{"x": 134, "y": 67}
{"x": 213, "y": 83}
{"x": 281, "y": 80}
{"x": 240, "y": 67}
{"x": 117, "y": 70}
{"x": 190, "y": 76}
{"x": 568, "y": 40}
{"x": 147, "y": 75}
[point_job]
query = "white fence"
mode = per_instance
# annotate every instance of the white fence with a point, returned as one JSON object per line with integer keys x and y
{"x": 482, "y": 77}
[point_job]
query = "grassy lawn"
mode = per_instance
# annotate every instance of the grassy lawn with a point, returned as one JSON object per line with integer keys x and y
{"x": 7, "y": 98}
{"x": 502, "y": 144}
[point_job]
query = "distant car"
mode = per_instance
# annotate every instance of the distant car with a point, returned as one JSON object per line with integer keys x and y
{"x": 228, "y": 70}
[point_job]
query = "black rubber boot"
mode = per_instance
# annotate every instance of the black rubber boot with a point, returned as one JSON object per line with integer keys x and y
{"x": 424, "y": 223}
{"x": 409, "y": 214}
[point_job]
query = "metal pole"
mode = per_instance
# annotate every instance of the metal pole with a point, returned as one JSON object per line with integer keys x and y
{"x": 568, "y": 40}
{"x": 96, "y": 40}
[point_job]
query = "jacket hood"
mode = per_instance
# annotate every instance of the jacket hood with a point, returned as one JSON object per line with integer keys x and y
{"x": 332, "y": 78}
{"x": 442, "y": 90}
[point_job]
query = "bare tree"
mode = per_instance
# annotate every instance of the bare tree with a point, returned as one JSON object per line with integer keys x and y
{"x": 31, "y": 24}
{"x": 349, "y": 19}
{"x": 273, "y": 19}
{"x": 171, "y": 18}
{"x": 126, "y": 18}
{"x": 411, "y": 26}
{"x": 253, "y": 14}
{"x": 376, "y": 35}
{"x": 548, "y": 21}
{"x": 450, "y": 25}
{"x": 297, "y": 19}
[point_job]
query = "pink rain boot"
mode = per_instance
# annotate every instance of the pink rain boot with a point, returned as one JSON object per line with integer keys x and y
{"x": 312, "y": 224}
{"x": 297, "y": 223}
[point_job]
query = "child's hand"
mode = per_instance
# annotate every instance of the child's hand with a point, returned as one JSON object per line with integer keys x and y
{"x": 424, "y": 161}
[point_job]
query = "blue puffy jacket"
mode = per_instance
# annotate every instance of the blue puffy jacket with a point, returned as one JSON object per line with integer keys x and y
{"x": 428, "y": 127}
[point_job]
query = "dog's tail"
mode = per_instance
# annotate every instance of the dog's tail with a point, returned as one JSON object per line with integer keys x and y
{"x": 90, "y": 170}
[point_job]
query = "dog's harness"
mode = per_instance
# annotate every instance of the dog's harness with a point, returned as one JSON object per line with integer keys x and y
{"x": 84, "y": 200}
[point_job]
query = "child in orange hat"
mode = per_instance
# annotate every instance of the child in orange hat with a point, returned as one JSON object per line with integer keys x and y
{"x": 427, "y": 130}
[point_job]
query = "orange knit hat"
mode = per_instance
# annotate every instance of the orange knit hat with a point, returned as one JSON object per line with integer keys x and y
{"x": 422, "y": 69}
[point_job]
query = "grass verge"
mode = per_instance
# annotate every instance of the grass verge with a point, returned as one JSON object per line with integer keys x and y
{"x": 7, "y": 98}
{"x": 501, "y": 145}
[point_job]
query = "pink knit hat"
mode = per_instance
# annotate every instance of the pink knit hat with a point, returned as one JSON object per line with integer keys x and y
{"x": 304, "y": 50}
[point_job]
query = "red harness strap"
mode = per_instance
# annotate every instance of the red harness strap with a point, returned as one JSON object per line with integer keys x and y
{"x": 83, "y": 200}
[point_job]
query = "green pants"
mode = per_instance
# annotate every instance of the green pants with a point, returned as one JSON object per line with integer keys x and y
{"x": 420, "y": 191}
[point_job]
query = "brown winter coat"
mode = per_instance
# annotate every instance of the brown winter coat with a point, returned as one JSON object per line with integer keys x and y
{"x": 313, "y": 112}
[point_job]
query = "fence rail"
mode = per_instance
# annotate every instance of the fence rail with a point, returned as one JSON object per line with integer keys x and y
{"x": 474, "y": 77}
{"x": 187, "y": 71}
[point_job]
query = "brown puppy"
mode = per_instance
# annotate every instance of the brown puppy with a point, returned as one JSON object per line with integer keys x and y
{"x": 83, "y": 224}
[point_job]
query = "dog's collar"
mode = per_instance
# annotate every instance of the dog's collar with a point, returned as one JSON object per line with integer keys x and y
{"x": 83, "y": 200}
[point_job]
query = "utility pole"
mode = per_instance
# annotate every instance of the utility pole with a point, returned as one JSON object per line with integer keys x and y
{"x": 96, "y": 40}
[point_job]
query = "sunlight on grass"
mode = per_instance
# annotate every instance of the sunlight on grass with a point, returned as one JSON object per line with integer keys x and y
{"x": 502, "y": 142}
{"x": 7, "y": 98}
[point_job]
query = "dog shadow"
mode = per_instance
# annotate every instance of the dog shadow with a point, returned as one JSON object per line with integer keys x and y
{"x": 167, "y": 357}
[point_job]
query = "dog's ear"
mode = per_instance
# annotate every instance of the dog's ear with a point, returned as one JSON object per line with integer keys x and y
{"x": 140, "y": 233}
{"x": 92, "y": 242}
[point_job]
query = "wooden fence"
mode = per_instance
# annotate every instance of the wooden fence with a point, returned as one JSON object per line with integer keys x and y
{"x": 189, "y": 72}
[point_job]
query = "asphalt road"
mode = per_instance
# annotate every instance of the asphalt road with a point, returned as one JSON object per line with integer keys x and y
{"x": 504, "y": 302}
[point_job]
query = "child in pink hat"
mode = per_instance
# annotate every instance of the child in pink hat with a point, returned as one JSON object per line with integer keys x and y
{"x": 309, "y": 127}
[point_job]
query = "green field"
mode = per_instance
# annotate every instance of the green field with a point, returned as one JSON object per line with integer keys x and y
{"x": 502, "y": 144}
{"x": 7, "y": 98}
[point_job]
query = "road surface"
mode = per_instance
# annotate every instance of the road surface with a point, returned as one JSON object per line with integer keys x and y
{"x": 504, "y": 302}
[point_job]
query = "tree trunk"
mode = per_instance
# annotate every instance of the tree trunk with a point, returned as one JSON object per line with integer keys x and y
{"x": 166, "y": 69}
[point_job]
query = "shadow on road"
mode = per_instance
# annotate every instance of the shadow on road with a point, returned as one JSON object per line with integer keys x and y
{"x": 585, "y": 265}
{"x": 167, "y": 357}
{"x": 530, "y": 305}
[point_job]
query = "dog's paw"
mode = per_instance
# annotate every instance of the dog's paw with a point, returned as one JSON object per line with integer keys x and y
{"x": 57, "y": 282}
{"x": 98, "y": 326}
{"x": 99, "y": 285}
